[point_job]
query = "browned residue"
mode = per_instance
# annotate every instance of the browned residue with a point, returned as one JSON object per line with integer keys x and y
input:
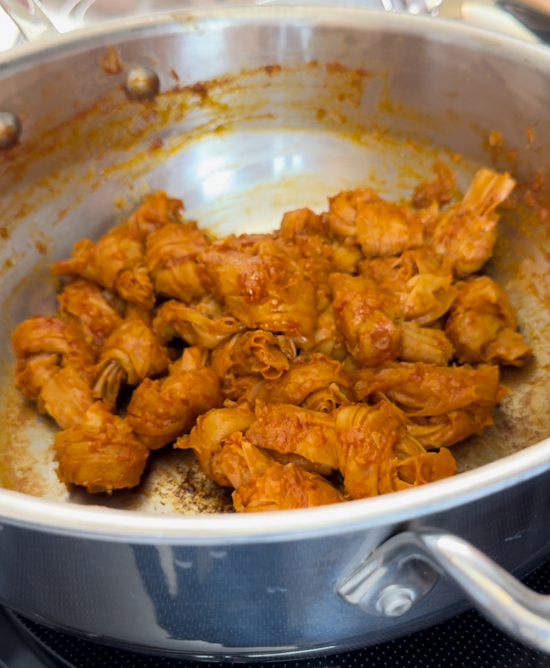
{"x": 495, "y": 138}
{"x": 273, "y": 69}
{"x": 110, "y": 61}
{"x": 536, "y": 196}
{"x": 4, "y": 234}
{"x": 117, "y": 124}
{"x": 41, "y": 247}
{"x": 502, "y": 156}
{"x": 337, "y": 68}
{"x": 156, "y": 144}
{"x": 172, "y": 483}
{"x": 337, "y": 117}
{"x": 200, "y": 88}
{"x": 19, "y": 469}
{"x": 530, "y": 135}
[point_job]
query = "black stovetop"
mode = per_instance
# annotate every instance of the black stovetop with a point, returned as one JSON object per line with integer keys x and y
{"x": 467, "y": 641}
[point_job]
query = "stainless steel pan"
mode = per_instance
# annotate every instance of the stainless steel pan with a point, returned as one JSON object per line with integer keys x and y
{"x": 273, "y": 108}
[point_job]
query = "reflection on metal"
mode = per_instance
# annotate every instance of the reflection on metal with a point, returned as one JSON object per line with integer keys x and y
{"x": 33, "y": 22}
{"x": 405, "y": 568}
{"x": 430, "y": 7}
{"x": 502, "y": 16}
{"x": 504, "y": 600}
{"x": 395, "y": 601}
{"x": 142, "y": 83}
{"x": 392, "y": 580}
{"x": 10, "y": 129}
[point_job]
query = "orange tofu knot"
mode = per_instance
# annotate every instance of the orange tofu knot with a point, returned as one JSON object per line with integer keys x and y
{"x": 302, "y": 222}
{"x": 207, "y": 437}
{"x": 42, "y": 346}
{"x": 304, "y": 236}
{"x": 204, "y": 324}
{"x": 292, "y": 429}
{"x": 304, "y": 378}
{"x": 66, "y": 397}
{"x": 154, "y": 212}
{"x": 171, "y": 258}
{"x": 131, "y": 354}
{"x": 327, "y": 338}
{"x": 116, "y": 262}
{"x": 256, "y": 352}
{"x": 101, "y": 454}
{"x": 380, "y": 228}
{"x": 35, "y": 372}
{"x": 97, "y": 312}
{"x": 379, "y": 456}
{"x": 343, "y": 208}
{"x": 365, "y": 315}
{"x": 266, "y": 290}
{"x": 420, "y": 279}
{"x": 385, "y": 228}
{"x": 466, "y": 232}
{"x": 285, "y": 487}
{"x": 162, "y": 410}
{"x": 419, "y": 470}
{"x": 241, "y": 461}
{"x": 423, "y": 344}
{"x": 482, "y": 324}
{"x": 444, "y": 405}
{"x": 367, "y": 436}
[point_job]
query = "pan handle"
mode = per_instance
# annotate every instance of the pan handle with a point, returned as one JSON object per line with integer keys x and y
{"x": 32, "y": 22}
{"x": 405, "y": 568}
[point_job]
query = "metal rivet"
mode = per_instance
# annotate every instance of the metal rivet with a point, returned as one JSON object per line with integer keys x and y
{"x": 395, "y": 602}
{"x": 142, "y": 83}
{"x": 10, "y": 129}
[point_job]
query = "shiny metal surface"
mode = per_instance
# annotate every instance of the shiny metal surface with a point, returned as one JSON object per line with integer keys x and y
{"x": 32, "y": 24}
{"x": 430, "y": 7}
{"x": 519, "y": 611}
{"x": 531, "y": 16}
{"x": 510, "y": 605}
{"x": 72, "y": 14}
{"x": 10, "y": 129}
{"x": 526, "y": 19}
{"x": 540, "y": 8}
{"x": 394, "y": 96}
{"x": 142, "y": 83}
{"x": 259, "y": 600}
{"x": 393, "y": 579}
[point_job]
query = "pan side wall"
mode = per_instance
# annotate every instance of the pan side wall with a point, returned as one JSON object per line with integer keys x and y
{"x": 246, "y": 601}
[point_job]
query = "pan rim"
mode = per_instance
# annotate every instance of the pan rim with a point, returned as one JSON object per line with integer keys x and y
{"x": 199, "y": 19}
{"x": 137, "y": 527}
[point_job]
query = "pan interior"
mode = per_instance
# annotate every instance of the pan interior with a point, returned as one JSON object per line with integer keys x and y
{"x": 239, "y": 155}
